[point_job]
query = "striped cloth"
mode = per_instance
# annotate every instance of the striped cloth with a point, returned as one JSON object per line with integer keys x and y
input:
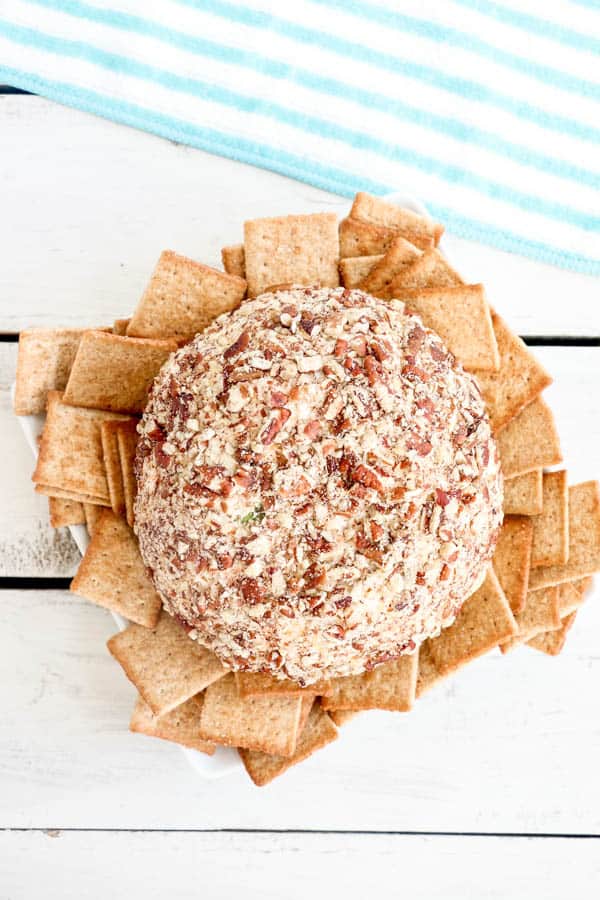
{"x": 487, "y": 111}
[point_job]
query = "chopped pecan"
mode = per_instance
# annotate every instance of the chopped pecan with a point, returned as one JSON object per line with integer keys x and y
{"x": 276, "y": 423}
{"x": 238, "y": 346}
{"x": 251, "y": 590}
{"x": 367, "y": 477}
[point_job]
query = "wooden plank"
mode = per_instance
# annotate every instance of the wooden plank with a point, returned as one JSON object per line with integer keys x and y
{"x": 88, "y": 205}
{"x": 294, "y": 866}
{"x": 509, "y": 744}
{"x": 29, "y": 547}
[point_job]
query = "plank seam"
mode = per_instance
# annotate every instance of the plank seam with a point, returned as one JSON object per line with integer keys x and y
{"x": 517, "y": 835}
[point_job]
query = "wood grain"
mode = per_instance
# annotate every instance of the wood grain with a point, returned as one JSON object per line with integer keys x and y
{"x": 88, "y": 205}
{"x": 175, "y": 865}
{"x": 509, "y": 744}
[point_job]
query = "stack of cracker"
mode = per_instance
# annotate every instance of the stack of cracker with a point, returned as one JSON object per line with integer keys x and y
{"x": 93, "y": 385}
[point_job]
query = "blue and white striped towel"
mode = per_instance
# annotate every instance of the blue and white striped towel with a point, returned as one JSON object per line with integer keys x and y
{"x": 488, "y": 111}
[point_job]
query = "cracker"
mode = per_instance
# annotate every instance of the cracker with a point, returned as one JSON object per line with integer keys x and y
{"x": 127, "y": 439}
{"x": 354, "y": 269}
{"x": 180, "y": 725}
{"x": 120, "y": 326}
{"x": 523, "y": 494}
{"x": 584, "y": 539}
{"x": 251, "y": 683}
{"x": 420, "y": 230}
{"x": 182, "y": 298}
{"x": 92, "y": 515}
{"x": 551, "y": 529}
{"x": 512, "y": 559}
{"x": 517, "y": 382}
{"x": 530, "y": 441}
{"x": 166, "y": 666}
{"x": 552, "y": 642}
{"x": 318, "y": 732}
{"x": 43, "y": 364}
{"x": 115, "y": 373}
{"x": 389, "y": 686}
{"x": 430, "y": 270}
{"x": 571, "y": 595}
{"x": 539, "y": 613}
{"x": 112, "y": 573}
{"x": 300, "y": 249}
{"x": 364, "y": 239}
{"x": 112, "y": 464}
{"x": 234, "y": 260}
{"x": 65, "y": 512}
{"x": 70, "y": 456}
{"x": 400, "y": 254}
{"x": 49, "y": 490}
{"x": 427, "y": 673}
{"x": 461, "y": 317}
{"x": 341, "y": 716}
{"x": 484, "y": 621}
{"x": 266, "y": 723}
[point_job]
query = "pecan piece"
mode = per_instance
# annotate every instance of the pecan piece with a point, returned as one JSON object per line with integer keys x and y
{"x": 238, "y": 346}
{"x": 276, "y": 423}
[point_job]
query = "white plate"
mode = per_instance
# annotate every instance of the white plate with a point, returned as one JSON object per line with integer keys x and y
{"x": 225, "y": 760}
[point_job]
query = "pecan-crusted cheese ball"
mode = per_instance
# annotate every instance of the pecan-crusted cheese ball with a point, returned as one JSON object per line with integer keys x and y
{"x": 318, "y": 487}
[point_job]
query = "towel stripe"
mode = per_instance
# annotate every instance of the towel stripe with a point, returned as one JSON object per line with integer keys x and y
{"x": 322, "y": 127}
{"x": 451, "y": 127}
{"x": 543, "y": 27}
{"x": 453, "y": 36}
{"x": 469, "y": 89}
{"x": 255, "y": 153}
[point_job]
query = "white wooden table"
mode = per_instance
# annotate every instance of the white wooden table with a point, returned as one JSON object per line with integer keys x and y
{"x": 489, "y": 789}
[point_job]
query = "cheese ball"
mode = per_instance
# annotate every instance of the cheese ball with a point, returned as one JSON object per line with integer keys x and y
{"x": 318, "y": 486}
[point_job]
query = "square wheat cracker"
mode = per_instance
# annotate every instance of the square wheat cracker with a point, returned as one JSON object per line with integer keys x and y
{"x": 120, "y": 326}
{"x": 552, "y": 642}
{"x": 571, "y": 595}
{"x": 49, "y": 490}
{"x": 400, "y": 254}
{"x": 523, "y": 494}
{"x": 431, "y": 270}
{"x": 427, "y": 672}
{"x": 461, "y": 317}
{"x": 529, "y": 441}
{"x": 363, "y": 239}
{"x": 70, "y": 456}
{"x": 251, "y": 683}
{"x": 516, "y": 383}
{"x": 264, "y": 722}
{"x": 391, "y": 686}
{"x": 551, "y": 529}
{"x": 92, "y": 517}
{"x": 420, "y": 230}
{"x": 484, "y": 621}
{"x": 112, "y": 466}
{"x": 127, "y": 440}
{"x": 341, "y": 716}
{"x": 182, "y": 298}
{"x": 43, "y": 365}
{"x": 584, "y": 539}
{"x": 317, "y": 733}
{"x": 299, "y": 249}
{"x": 114, "y": 372}
{"x": 112, "y": 573}
{"x": 539, "y": 613}
{"x": 512, "y": 559}
{"x": 165, "y": 665}
{"x": 234, "y": 261}
{"x": 180, "y": 725}
{"x": 355, "y": 268}
{"x": 65, "y": 512}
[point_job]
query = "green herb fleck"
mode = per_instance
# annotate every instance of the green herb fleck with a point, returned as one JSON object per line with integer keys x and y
{"x": 257, "y": 515}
